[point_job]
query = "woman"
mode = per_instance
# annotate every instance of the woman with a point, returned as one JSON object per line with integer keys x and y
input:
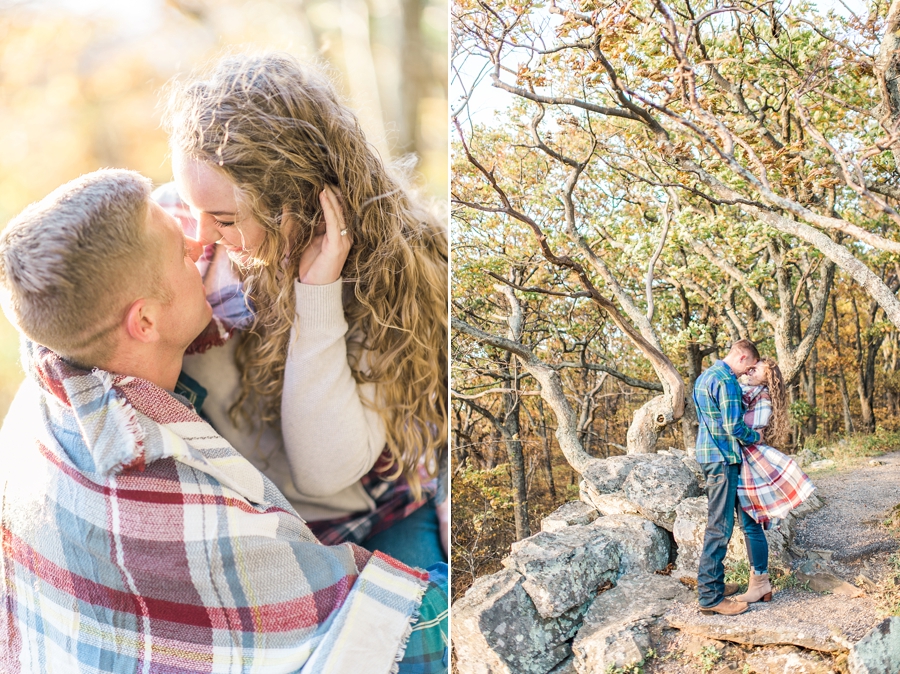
{"x": 326, "y": 362}
{"x": 771, "y": 483}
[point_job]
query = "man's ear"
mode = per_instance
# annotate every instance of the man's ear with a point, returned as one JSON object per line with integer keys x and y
{"x": 141, "y": 321}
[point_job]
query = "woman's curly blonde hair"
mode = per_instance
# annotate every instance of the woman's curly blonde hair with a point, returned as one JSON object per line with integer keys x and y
{"x": 778, "y": 428}
{"x": 279, "y": 132}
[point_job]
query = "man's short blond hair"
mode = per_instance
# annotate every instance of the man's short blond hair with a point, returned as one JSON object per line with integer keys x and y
{"x": 71, "y": 263}
{"x": 745, "y": 347}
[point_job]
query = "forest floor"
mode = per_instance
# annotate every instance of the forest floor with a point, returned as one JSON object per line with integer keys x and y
{"x": 854, "y": 536}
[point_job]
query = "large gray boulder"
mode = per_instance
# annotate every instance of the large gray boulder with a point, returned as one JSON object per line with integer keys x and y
{"x": 687, "y": 458}
{"x": 657, "y": 485}
{"x": 643, "y": 546}
{"x": 607, "y": 504}
{"x": 565, "y": 667}
{"x": 688, "y": 531}
{"x": 606, "y": 476}
{"x": 563, "y": 569}
{"x": 601, "y": 484}
{"x": 878, "y": 651}
{"x": 497, "y": 629}
{"x": 615, "y": 629}
{"x": 569, "y": 514}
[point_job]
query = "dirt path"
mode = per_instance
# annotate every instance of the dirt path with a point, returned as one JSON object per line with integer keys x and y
{"x": 849, "y": 536}
{"x": 850, "y": 524}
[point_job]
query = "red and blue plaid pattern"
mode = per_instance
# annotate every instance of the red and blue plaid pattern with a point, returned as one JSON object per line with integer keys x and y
{"x": 394, "y": 501}
{"x": 135, "y": 539}
{"x": 771, "y": 484}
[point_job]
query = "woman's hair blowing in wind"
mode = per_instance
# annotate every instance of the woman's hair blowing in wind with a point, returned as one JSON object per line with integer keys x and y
{"x": 778, "y": 428}
{"x": 277, "y": 130}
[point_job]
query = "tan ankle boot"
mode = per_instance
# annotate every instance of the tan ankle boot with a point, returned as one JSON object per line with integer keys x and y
{"x": 759, "y": 588}
{"x": 726, "y": 607}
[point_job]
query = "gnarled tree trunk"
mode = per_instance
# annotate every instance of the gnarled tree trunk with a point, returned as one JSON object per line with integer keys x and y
{"x": 887, "y": 70}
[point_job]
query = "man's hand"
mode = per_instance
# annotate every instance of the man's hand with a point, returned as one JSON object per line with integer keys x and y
{"x": 762, "y": 435}
{"x": 322, "y": 261}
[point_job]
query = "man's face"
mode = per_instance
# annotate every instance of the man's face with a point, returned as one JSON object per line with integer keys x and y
{"x": 187, "y": 312}
{"x": 745, "y": 365}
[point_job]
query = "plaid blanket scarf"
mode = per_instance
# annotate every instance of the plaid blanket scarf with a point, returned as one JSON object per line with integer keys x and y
{"x": 771, "y": 484}
{"x": 232, "y": 313}
{"x": 135, "y": 539}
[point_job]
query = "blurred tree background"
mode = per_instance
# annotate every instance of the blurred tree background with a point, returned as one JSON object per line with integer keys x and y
{"x": 80, "y": 82}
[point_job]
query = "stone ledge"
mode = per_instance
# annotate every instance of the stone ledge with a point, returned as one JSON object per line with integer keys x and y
{"x": 792, "y": 617}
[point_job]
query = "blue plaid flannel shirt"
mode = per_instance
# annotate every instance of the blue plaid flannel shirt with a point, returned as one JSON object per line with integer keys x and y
{"x": 720, "y": 412}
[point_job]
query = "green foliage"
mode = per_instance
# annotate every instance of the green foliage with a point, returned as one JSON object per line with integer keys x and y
{"x": 801, "y": 411}
{"x": 788, "y": 581}
{"x": 480, "y": 528}
{"x": 889, "y": 599}
{"x": 708, "y": 656}
{"x": 875, "y": 444}
{"x": 892, "y": 521}
{"x": 738, "y": 572}
{"x": 856, "y": 446}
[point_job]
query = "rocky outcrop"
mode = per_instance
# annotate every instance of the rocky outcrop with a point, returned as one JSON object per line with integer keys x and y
{"x": 878, "y": 651}
{"x": 656, "y": 486}
{"x": 688, "y": 531}
{"x": 606, "y": 476}
{"x": 601, "y": 484}
{"x": 643, "y": 546}
{"x": 650, "y": 485}
{"x": 607, "y": 504}
{"x": 615, "y": 629}
{"x": 563, "y": 569}
{"x": 688, "y": 460}
{"x": 790, "y": 618}
{"x": 567, "y": 666}
{"x": 543, "y": 613}
{"x": 569, "y": 514}
{"x": 498, "y": 630}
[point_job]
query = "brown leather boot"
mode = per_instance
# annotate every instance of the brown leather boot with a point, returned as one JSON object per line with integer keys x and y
{"x": 726, "y": 607}
{"x": 731, "y": 588}
{"x": 759, "y": 589}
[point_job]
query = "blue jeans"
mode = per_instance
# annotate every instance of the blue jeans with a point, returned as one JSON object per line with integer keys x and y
{"x": 721, "y": 490}
{"x": 414, "y": 540}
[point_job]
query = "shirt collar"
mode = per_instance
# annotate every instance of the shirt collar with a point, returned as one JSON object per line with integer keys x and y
{"x": 727, "y": 368}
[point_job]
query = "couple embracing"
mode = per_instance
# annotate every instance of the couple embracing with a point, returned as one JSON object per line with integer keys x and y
{"x": 222, "y": 456}
{"x": 746, "y": 478}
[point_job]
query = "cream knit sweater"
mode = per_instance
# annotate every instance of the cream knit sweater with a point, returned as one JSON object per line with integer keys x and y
{"x": 328, "y": 437}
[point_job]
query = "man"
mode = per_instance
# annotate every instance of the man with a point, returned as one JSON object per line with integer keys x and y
{"x": 134, "y": 538}
{"x": 722, "y": 431}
